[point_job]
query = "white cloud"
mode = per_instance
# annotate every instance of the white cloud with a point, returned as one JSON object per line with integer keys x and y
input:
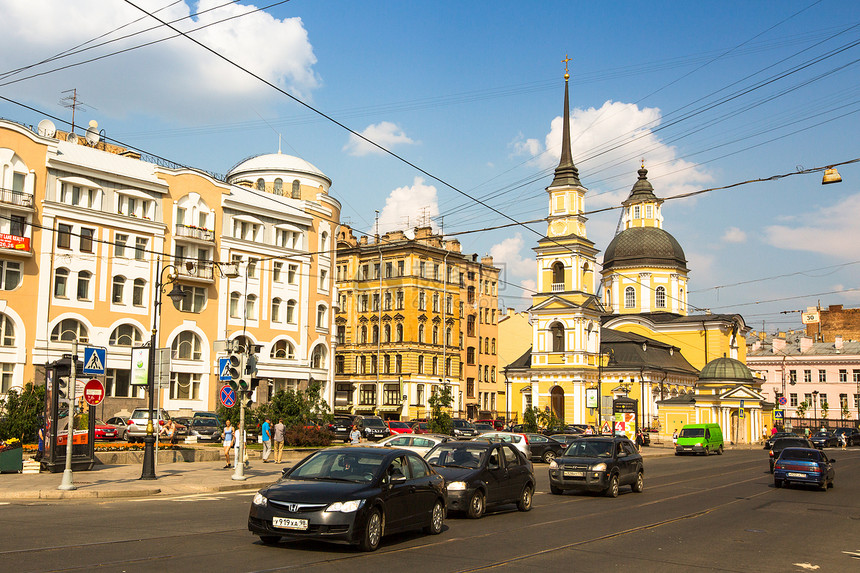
{"x": 385, "y": 133}
{"x": 175, "y": 79}
{"x": 524, "y": 146}
{"x": 734, "y": 235}
{"x": 833, "y": 231}
{"x": 508, "y": 254}
{"x": 409, "y": 207}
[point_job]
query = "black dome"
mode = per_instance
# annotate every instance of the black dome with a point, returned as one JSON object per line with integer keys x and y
{"x": 644, "y": 246}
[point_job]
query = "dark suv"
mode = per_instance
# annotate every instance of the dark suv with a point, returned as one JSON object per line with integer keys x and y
{"x": 372, "y": 427}
{"x": 341, "y": 426}
{"x": 780, "y": 444}
{"x": 463, "y": 429}
{"x": 600, "y": 463}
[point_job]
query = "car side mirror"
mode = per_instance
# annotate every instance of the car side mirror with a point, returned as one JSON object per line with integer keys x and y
{"x": 284, "y": 472}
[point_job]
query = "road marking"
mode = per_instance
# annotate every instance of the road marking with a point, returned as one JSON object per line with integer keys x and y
{"x": 4, "y": 503}
{"x": 854, "y": 554}
{"x": 807, "y": 566}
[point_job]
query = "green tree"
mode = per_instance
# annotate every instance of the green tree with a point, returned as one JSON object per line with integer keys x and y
{"x": 441, "y": 401}
{"x": 846, "y": 413}
{"x": 297, "y": 407}
{"x": 531, "y": 419}
{"x": 802, "y": 408}
{"x": 825, "y": 407}
{"x": 21, "y": 413}
{"x": 547, "y": 419}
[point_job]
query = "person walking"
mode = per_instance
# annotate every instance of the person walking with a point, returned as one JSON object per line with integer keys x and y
{"x": 843, "y": 440}
{"x": 40, "y": 453}
{"x": 639, "y": 440}
{"x": 354, "y": 435}
{"x": 675, "y": 438}
{"x": 229, "y": 438}
{"x": 280, "y": 430}
{"x": 267, "y": 440}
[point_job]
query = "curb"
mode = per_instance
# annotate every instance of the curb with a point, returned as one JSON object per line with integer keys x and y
{"x": 78, "y": 494}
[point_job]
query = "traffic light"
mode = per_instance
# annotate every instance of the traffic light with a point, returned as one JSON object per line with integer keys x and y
{"x": 63, "y": 387}
{"x": 235, "y": 369}
{"x": 248, "y": 373}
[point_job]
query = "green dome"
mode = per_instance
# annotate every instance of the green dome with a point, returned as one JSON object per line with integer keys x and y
{"x": 723, "y": 369}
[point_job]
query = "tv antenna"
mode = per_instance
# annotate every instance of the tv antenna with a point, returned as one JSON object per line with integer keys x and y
{"x": 72, "y": 102}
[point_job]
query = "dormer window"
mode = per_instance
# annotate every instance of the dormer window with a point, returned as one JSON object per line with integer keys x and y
{"x": 649, "y": 211}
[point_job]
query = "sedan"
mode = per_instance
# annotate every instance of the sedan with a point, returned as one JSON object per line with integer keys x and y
{"x": 824, "y": 440}
{"x": 544, "y": 448}
{"x": 397, "y": 427}
{"x": 780, "y": 444}
{"x": 351, "y": 494}
{"x": 481, "y": 474}
{"x": 805, "y": 466}
{"x": 418, "y": 444}
{"x": 483, "y": 427}
{"x": 519, "y": 441}
{"x": 205, "y": 430}
{"x": 106, "y": 431}
{"x": 119, "y": 423}
{"x": 598, "y": 464}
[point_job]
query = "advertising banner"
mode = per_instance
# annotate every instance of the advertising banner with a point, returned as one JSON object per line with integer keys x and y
{"x": 591, "y": 397}
{"x": 139, "y": 366}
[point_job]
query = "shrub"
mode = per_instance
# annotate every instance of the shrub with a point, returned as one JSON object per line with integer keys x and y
{"x": 21, "y": 413}
{"x": 301, "y": 436}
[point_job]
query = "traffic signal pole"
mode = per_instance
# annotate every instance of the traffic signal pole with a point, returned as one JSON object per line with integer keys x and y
{"x": 239, "y": 465}
{"x": 68, "y": 482}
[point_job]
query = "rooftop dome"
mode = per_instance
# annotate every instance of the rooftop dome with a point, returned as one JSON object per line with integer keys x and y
{"x": 644, "y": 246}
{"x": 275, "y": 162}
{"x": 723, "y": 369}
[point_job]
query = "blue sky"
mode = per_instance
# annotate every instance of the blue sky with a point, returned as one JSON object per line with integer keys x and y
{"x": 709, "y": 94}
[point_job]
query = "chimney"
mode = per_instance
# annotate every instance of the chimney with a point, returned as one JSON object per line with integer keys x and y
{"x": 837, "y": 343}
{"x": 756, "y": 346}
{"x": 805, "y": 344}
{"x": 778, "y": 345}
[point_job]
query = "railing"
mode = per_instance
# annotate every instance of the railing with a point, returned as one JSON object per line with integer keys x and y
{"x": 197, "y": 269}
{"x": 19, "y": 198}
{"x": 557, "y": 287}
{"x": 194, "y": 233}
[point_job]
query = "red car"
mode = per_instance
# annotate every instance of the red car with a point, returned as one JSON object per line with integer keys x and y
{"x": 421, "y": 428}
{"x": 106, "y": 431}
{"x": 498, "y": 425}
{"x": 398, "y": 427}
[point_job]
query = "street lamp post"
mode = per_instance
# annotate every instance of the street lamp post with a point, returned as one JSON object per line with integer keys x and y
{"x": 176, "y": 295}
{"x": 815, "y": 407}
{"x": 68, "y": 483}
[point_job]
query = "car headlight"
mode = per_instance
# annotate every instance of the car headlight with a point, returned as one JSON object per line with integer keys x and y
{"x": 345, "y": 506}
{"x": 553, "y": 465}
{"x": 456, "y": 486}
{"x": 698, "y": 444}
{"x": 601, "y": 467}
{"x": 260, "y": 499}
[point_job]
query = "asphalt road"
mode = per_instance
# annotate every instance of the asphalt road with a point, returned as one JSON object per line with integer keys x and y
{"x": 719, "y": 513}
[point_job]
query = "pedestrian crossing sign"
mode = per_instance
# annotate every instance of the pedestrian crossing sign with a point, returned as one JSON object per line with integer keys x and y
{"x": 224, "y": 369}
{"x": 94, "y": 360}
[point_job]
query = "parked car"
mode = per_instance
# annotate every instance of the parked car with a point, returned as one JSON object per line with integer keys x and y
{"x": 567, "y": 429}
{"x": 136, "y": 425}
{"x": 780, "y": 444}
{"x": 418, "y": 444}
{"x": 462, "y": 428}
{"x": 804, "y": 465}
{"x": 852, "y": 436}
{"x": 544, "y": 448}
{"x": 520, "y": 441}
{"x": 121, "y": 427}
{"x": 372, "y": 427}
{"x": 483, "y": 427}
{"x": 398, "y": 427}
{"x": 768, "y": 443}
{"x": 598, "y": 464}
{"x": 105, "y": 431}
{"x": 205, "y": 430}
{"x": 565, "y": 439}
{"x": 183, "y": 423}
{"x": 420, "y": 427}
{"x": 340, "y": 427}
{"x": 352, "y": 494}
{"x": 209, "y": 415}
{"x": 496, "y": 424}
{"x": 824, "y": 440}
{"x": 479, "y": 475}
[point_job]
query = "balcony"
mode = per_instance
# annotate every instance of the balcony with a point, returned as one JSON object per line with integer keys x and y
{"x": 203, "y": 271}
{"x": 557, "y": 287}
{"x": 194, "y": 233}
{"x": 17, "y": 199}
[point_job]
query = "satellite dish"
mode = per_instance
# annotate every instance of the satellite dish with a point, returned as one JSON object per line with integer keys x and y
{"x": 92, "y": 135}
{"x": 72, "y": 138}
{"x": 47, "y": 128}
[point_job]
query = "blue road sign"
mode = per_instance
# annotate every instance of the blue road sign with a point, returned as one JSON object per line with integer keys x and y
{"x": 94, "y": 360}
{"x": 778, "y": 415}
{"x": 783, "y": 401}
{"x": 224, "y": 369}
{"x": 228, "y": 396}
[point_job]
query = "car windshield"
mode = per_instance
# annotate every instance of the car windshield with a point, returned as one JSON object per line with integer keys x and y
{"x": 373, "y": 423}
{"x": 208, "y": 422}
{"x": 456, "y": 456}
{"x": 462, "y": 424}
{"x": 398, "y": 424}
{"x": 798, "y": 454}
{"x": 692, "y": 433}
{"x": 822, "y": 434}
{"x": 590, "y": 449}
{"x": 339, "y": 465}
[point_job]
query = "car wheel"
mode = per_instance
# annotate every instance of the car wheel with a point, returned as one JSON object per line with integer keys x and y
{"x": 548, "y": 456}
{"x": 771, "y": 468}
{"x": 720, "y": 450}
{"x": 707, "y": 451}
{"x": 777, "y": 483}
{"x": 638, "y": 485}
{"x": 437, "y": 519}
{"x": 373, "y": 531}
{"x": 555, "y": 490}
{"x": 270, "y": 539}
{"x": 612, "y": 488}
{"x": 476, "y": 505}
{"x": 525, "y": 502}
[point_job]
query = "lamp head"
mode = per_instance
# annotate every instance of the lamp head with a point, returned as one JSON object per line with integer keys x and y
{"x": 831, "y": 175}
{"x": 176, "y": 294}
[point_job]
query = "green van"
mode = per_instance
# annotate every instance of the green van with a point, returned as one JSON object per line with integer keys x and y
{"x": 699, "y": 439}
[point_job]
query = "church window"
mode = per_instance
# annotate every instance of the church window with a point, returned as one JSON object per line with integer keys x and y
{"x": 261, "y": 185}
{"x": 636, "y": 212}
{"x": 296, "y": 193}
{"x": 629, "y": 297}
{"x": 557, "y": 330}
{"x": 649, "y": 211}
{"x": 661, "y": 297}
{"x": 279, "y": 186}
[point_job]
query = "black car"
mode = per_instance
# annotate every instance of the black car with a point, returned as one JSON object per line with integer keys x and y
{"x": 565, "y": 439}
{"x": 341, "y": 426}
{"x": 780, "y": 444}
{"x": 824, "y": 440}
{"x": 372, "y": 427}
{"x": 463, "y": 429}
{"x": 852, "y": 436}
{"x": 545, "y": 448}
{"x": 479, "y": 475}
{"x": 205, "y": 429}
{"x": 572, "y": 429}
{"x": 768, "y": 443}
{"x": 599, "y": 464}
{"x": 353, "y": 494}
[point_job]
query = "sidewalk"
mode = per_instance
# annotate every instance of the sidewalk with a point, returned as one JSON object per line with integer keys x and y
{"x": 123, "y": 480}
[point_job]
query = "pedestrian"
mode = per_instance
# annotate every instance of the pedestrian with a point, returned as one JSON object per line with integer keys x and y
{"x": 589, "y": 431}
{"x": 843, "y": 440}
{"x": 675, "y": 437}
{"x": 172, "y": 433}
{"x": 806, "y": 433}
{"x": 280, "y": 430}
{"x": 773, "y": 431}
{"x": 639, "y": 440}
{"x": 267, "y": 440}
{"x": 229, "y": 438}
{"x": 764, "y": 434}
{"x": 40, "y": 453}
{"x": 354, "y": 435}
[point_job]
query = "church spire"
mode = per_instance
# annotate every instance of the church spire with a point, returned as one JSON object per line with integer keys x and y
{"x": 566, "y": 173}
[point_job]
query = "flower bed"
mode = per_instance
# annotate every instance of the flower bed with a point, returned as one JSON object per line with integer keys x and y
{"x": 114, "y": 447}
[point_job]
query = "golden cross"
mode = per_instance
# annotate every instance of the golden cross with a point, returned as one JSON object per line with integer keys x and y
{"x": 565, "y": 61}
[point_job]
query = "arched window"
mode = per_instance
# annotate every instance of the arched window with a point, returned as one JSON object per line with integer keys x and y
{"x": 279, "y": 186}
{"x": 61, "y": 281}
{"x": 435, "y": 335}
{"x": 386, "y": 333}
{"x": 83, "y": 291}
{"x": 448, "y": 333}
{"x": 660, "y": 297}
{"x": 629, "y": 297}
{"x": 283, "y": 350}
{"x": 321, "y": 322}
{"x": 318, "y": 356}
{"x": 398, "y": 333}
{"x": 557, "y": 330}
{"x": 420, "y": 333}
{"x": 251, "y": 307}
{"x": 235, "y": 297}
{"x": 276, "y": 309}
{"x": 125, "y": 335}
{"x": 363, "y": 335}
{"x": 297, "y": 193}
{"x": 324, "y": 241}
{"x": 7, "y": 331}
{"x": 261, "y": 185}
{"x": 117, "y": 290}
{"x": 376, "y": 334}
{"x": 69, "y": 330}
{"x": 291, "y": 311}
{"x": 558, "y": 276}
{"x": 186, "y": 346}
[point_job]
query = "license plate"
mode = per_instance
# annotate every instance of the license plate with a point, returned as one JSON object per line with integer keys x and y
{"x": 289, "y": 523}
{"x": 795, "y": 475}
{"x": 568, "y": 473}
